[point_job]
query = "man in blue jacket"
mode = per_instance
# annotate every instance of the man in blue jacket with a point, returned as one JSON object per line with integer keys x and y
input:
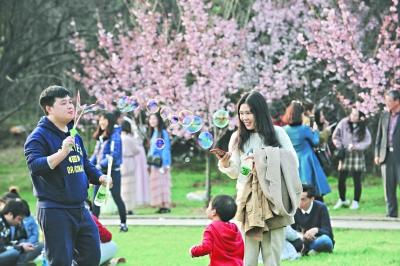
{"x": 61, "y": 172}
{"x": 312, "y": 218}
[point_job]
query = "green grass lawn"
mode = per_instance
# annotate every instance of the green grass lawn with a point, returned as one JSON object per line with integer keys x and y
{"x": 145, "y": 245}
{"x": 169, "y": 245}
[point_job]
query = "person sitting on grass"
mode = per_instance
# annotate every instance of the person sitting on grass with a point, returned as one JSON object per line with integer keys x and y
{"x": 25, "y": 232}
{"x": 293, "y": 244}
{"x": 108, "y": 249}
{"x": 312, "y": 219}
{"x": 12, "y": 215}
{"x": 222, "y": 239}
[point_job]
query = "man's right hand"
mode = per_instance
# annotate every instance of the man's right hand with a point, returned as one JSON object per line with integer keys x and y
{"x": 377, "y": 162}
{"x": 28, "y": 247}
{"x": 66, "y": 144}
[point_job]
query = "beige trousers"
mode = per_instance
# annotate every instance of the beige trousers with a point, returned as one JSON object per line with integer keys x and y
{"x": 271, "y": 247}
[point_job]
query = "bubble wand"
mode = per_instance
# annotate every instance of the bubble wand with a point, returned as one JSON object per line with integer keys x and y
{"x": 84, "y": 109}
{"x": 73, "y": 130}
{"x": 110, "y": 162}
{"x": 102, "y": 194}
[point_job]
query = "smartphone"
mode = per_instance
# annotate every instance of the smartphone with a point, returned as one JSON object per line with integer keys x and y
{"x": 218, "y": 151}
{"x": 332, "y": 125}
{"x": 312, "y": 120}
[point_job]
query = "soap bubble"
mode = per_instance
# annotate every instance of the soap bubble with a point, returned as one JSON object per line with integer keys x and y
{"x": 221, "y": 118}
{"x": 173, "y": 119}
{"x": 100, "y": 104}
{"x": 205, "y": 140}
{"x": 195, "y": 125}
{"x": 128, "y": 103}
{"x": 185, "y": 118}
{"x": 152, "y": 106}
{"x": 165, "y": 112}
{"x": 159, "y": 143}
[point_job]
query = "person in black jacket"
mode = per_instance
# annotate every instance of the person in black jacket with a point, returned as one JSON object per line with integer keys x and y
{"x": 312, "y": 219}
{"x": 12, "y": 215}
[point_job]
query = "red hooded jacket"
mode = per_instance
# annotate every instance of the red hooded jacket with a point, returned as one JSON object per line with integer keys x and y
{"x": 224, "y": 244}
{"x": 105, "y": 235}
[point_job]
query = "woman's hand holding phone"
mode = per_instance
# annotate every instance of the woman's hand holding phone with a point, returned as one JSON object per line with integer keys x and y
{"x": 222, "y": 156}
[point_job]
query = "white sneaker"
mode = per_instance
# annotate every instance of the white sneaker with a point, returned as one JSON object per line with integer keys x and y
{"x": 340, "y": 203}
{"x": 313, "y": 252}
{"x": 354, "y": 205}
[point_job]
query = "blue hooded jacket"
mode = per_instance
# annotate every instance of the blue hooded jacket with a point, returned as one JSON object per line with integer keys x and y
{"x": 66, "y": 185}
{"x": 112, "y": 147}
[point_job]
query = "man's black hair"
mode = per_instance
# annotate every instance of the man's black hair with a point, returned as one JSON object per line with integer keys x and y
{"x": 16, "y": 207}
{"x": 225, "y": 206}
{"x": 395, "y": 94}
{"x": 49, "y": 95}
{"x": 309, "y": 189}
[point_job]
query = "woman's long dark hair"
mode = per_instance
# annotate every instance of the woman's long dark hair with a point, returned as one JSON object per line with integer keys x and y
{"x": 160, "y": 128}
{"x": 263, "y": 123}
{"x": 294, "y": 114}
{"x": 126, "y": 126}
{"x": 110, "y": 128}
{"x": 362, "y": 128}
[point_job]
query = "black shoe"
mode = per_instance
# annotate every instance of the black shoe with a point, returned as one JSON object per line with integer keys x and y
{"x": 160, "y": 210}
{"x": 123, "y": 228}
{"x": 165, "y": 210}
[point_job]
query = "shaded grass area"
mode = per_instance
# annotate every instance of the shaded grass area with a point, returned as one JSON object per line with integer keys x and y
{"x": 145, "y": 245}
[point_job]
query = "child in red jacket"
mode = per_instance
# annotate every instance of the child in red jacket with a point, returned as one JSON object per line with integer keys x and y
{"x": 222, "y": 239}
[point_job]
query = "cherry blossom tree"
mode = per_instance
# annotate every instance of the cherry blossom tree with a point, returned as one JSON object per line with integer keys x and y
{"x": 277, "y": 64}
{"x": 195, "y": 70}
{"x": 335, "y": 38}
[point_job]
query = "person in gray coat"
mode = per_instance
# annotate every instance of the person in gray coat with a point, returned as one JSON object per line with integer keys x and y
{"x": 387, "y": 149}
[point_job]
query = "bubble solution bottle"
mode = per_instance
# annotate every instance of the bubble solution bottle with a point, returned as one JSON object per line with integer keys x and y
{"x": 248, "y": 164}
{"x": 101, "y": 196}
{"x": 44, "y": 260}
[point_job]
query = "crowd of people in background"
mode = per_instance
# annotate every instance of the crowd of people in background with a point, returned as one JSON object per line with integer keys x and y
{"x": 297, "y": 224}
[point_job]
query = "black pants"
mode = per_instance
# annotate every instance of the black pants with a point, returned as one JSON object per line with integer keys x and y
{"x": 298, "y": 244}
{"x": 357, "y": 184}
{"x": 391, "y": 179}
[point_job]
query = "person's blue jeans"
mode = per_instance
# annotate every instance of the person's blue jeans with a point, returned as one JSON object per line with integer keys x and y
{"x": 26, "y": 257}
{"x": 9, "y": 257}
{"x": 322, "y": 244}
{"x": 116, "y": 194}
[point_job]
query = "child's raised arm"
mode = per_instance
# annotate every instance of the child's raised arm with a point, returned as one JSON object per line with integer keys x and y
{"x": 206, "y": 245}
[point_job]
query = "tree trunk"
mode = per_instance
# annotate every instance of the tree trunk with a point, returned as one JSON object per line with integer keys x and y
{"x": 208, "y": 178}
{"x": 217, "y": 171}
